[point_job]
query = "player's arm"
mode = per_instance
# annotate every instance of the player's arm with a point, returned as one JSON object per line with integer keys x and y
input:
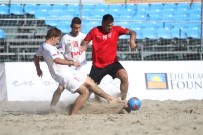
{"x": 84, "y": 45}
{"x": 66, "y": 62}
{"x": 132, "y": 39}
{"x": 37, "y": 65}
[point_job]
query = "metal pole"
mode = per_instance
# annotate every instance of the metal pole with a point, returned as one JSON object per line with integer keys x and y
{"x": 80, "y": 9}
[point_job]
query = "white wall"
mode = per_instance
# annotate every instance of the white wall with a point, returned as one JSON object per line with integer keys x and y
{"x": 178, "y": 80}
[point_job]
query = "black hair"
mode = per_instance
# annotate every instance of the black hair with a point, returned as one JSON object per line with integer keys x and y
{"x": 75, "y": 20}
{"x": 107, "y": 17}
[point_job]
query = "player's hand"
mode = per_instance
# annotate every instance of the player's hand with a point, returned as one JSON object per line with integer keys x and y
{"x": 76, "y": 64}
{"x": 39, "y": 72}
{"x": 133, "y": 45}
{"x": 82, "y": 48}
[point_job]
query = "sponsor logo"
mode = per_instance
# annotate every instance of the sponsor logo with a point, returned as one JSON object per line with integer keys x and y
{"x": 156, "y": 81}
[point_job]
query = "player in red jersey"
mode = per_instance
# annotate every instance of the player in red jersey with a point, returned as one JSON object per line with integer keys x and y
{"x": 104, "y": 52}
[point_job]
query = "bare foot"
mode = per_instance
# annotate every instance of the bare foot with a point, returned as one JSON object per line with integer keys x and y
{"x": 116, "y": 100}
{"x": 124, "y": 110}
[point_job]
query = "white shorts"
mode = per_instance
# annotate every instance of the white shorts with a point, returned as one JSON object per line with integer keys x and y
{"x": 84, "y": 68}
{"x": 72, "y": 79}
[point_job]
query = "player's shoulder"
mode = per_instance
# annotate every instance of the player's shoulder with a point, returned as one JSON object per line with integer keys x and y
{"x": 82, "y": 34}
{"x": 66, "y": 35}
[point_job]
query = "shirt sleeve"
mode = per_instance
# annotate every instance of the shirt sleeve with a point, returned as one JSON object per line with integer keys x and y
{"x": 39, "y": 51}
{"x": 89, "y": 35}
{"x": 121, "y": 30}
{"x": 62, "y": 45}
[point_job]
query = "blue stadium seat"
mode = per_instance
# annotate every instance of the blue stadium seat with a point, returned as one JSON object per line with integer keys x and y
{"x": 85, "y": 30}
{"x": 16, "y": 9}
{"x": 150, "y": 33}
{"x": 124, "y": 24}
{"x": 73, "y": 7}
{"x": 101, "y": 7}
{"x": 169, "y": 7}
{"x": 30, "y": 8}
{"x": 193, "y": 33}
{"x": 53, "y": 17}
{"x": 92, "y": 24}
{"x": 61, "y": 7}
{"x": 115, "y": 13}
{"x": 195, "y": 15}
{"x": 137, "y": 25}
{"x": 44, "y": 7}
{"x": 125, "y": 18}
{"x": 130, "y": 7}
{"x": 168, "y": 16}
{"x": 183, "y": 7}
{"x": 155, "y": 15}
{"x": 141, "y": 16}
{"x": 181, "y": 16}
{"x": 143, "y": 8}
{"x": 116, "y": 6}
{"x": 100, "y": 13}
{"x": 196, "y": 6}
{"x": 128, "y": 12}
{"x": 51, "y": 22}
{"x": 164, "y": 33}
{"x": 152, "y": 25}
{"x": 183, "y": 34}
{"x": 139, "y": 34}
{"x": 41, "y": 14}
{"x": 88, "y": 7}
{"x": 64, "y": 26}
{"x": 2, "y": 34}
{"x": 175, "y": 32}
{"x": 4, "y": 9}
{"x": 194, "y": 25}
{"x": 168, "y": 25}
{"x": 156, "y": 7}
{"x": 180, "y": 25}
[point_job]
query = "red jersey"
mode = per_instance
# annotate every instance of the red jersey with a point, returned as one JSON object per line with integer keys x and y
{"x": 104, "y": 46}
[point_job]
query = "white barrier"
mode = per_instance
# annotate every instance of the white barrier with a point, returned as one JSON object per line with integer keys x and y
{"x": 175, "y": 80}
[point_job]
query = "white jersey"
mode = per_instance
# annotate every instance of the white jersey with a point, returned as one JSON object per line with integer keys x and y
{"x": 63, "y": 74}
{"x": 69, "y": 47}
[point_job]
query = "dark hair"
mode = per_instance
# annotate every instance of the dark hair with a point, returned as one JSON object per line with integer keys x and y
{"x": 108, "y": 18}
{"x": 75, "y": 20}
{"x": 53, "y": 32}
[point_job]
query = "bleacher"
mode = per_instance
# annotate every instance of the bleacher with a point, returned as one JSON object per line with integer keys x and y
{"x": 168, "y": 30}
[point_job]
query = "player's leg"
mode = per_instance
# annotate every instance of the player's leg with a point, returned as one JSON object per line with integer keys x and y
{"x": 96, "y": 75}
{"x": 81, "y": 99}
{"x": 123, "y": 76}
{"x": 56, "y": 96}
{"x": 93, "y": 87}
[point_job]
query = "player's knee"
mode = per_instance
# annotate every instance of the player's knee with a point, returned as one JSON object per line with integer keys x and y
{"x": 85, "y": 93}
{"x": 124, "y": 78}
{"x": 60, "y": 89}
{"x": 89, "y": 82}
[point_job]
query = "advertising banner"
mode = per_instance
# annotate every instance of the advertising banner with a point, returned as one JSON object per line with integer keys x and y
{"x": 161, "y": 80}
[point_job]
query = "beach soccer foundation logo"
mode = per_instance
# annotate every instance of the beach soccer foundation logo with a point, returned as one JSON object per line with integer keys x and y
{"x": 156, "y": 80}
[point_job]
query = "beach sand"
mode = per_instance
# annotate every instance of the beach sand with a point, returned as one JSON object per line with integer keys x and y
{"x": 153, "y": 118}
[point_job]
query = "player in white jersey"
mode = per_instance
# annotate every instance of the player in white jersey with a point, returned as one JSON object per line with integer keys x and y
{"x": 69, "y": 47}
{"x": 70, "y": 44}
{"x": 69, "y": 78}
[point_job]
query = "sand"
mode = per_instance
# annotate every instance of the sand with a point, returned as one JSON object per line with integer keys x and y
{"x": 153, "y": 118}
